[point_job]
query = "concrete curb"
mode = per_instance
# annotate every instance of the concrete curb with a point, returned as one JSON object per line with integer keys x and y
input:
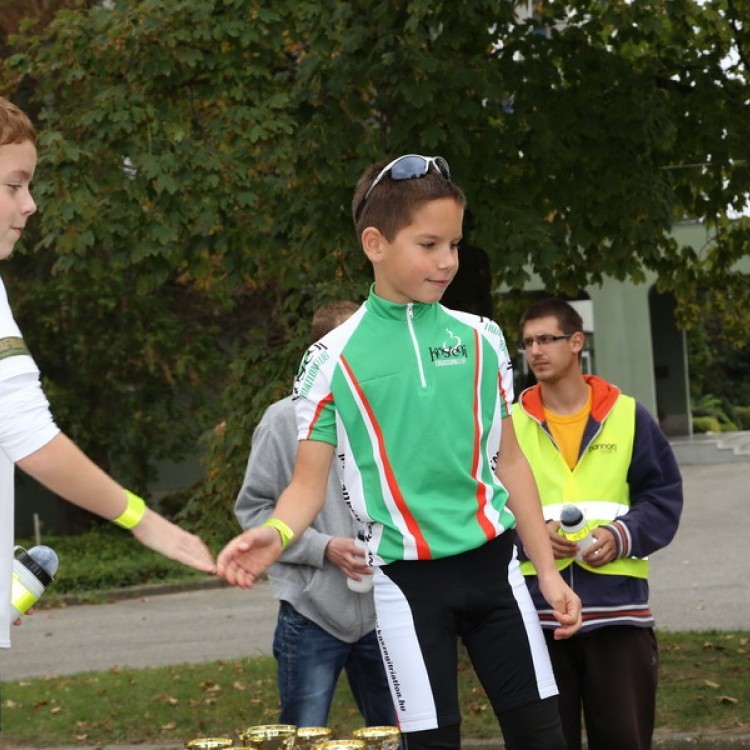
{"x": 105, "y": 596}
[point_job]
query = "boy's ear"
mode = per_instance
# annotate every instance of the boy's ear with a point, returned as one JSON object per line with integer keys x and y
{"x": 578, "y": 341}
{"x": 372, "y": 243}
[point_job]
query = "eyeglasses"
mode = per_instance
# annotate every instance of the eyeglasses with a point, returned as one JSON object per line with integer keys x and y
{"x": 408, "y": 167}
{"x": 544, "y": 340}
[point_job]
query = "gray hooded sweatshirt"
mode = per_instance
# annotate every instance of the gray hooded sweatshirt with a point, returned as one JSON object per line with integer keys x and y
{"x": 303, "y": 576}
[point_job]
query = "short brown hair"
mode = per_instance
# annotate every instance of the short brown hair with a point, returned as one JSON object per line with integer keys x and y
{"x": 330, "y": 315}
{"x": 566, "y": 315}
{"x": 391, "y": 205}
{"x": 15, "y": 126}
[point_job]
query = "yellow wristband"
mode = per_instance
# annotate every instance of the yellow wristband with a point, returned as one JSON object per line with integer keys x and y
{"x": 133, "y": 513}
{"x": 285, "y": 532}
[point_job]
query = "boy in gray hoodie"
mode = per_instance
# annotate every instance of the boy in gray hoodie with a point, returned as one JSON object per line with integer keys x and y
{"x": 323, "y": 627}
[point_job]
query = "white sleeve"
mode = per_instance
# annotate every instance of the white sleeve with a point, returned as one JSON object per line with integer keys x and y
{"x": 26, "y": 423}
{"x": 14, "y": 357}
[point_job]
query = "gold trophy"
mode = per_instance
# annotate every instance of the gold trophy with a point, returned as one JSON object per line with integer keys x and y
{"x": 378, "y": 738}
{"x": 269, "y": 736}
{"x": 209, "y": 743}
{"x": 310, "y": 737}
{"x": 341, "y": 745}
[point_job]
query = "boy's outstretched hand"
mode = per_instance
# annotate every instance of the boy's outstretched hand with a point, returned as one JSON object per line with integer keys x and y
{"x": 248, "y": 555}
{"x": 159, "y": 534}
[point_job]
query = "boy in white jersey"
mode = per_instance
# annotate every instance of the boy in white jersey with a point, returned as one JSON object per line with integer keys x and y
{"x": 414, "y": 400}
{"x": 28, "y": 434}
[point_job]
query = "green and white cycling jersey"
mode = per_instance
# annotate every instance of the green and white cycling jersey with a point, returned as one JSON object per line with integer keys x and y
{"x": 412, "y": 397}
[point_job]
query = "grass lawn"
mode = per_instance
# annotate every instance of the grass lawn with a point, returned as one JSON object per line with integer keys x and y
{"x": 704, "y": 677}
{"x": 704, "y": 686}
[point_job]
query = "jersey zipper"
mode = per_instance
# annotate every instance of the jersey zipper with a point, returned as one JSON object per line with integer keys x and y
{"x": 415, "y": 343}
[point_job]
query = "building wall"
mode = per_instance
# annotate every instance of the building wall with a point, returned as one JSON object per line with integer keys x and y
{"x": 623, "y": 351}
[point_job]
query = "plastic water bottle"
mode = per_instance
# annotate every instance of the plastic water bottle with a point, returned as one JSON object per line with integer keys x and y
{"x": 363, "y": 586}
{"x": 575, "y": 528}
{"x": 33, "y": 571}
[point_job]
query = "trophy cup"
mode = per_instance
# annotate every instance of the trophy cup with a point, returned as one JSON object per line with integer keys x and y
{"x": 310, "y": 737}
{"x": 209, "y": 743}
{"x": 378, "y": 738}
{"x": 269, "y": 736}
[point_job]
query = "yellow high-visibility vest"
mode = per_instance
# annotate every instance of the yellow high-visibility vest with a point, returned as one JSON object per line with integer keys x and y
{"x": 598, "y": 483}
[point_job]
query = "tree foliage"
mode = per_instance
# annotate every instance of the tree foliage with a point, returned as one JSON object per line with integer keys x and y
{"x": 197, "y": 160}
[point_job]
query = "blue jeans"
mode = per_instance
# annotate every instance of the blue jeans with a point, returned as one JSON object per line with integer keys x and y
{"x": 310, "y": 661}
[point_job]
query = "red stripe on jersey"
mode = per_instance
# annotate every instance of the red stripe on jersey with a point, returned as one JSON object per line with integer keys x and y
{"x": 423, "y": 549}
{"x": 318, "y": 410}
{"x": 482, "y": 499}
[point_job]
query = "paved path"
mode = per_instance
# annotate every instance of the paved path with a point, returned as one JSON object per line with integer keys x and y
{"x": 700, "y": 582}
{"x": 154, "y": 630}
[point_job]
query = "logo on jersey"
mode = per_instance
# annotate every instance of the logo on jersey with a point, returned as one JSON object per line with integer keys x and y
{"x": 452, "y": 351}
{"x": 315, "y": 357}
{"x": 492, "y": 328}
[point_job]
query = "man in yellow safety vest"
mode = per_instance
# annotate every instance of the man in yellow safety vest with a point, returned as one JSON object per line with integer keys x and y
{"x": 591, "y": 446}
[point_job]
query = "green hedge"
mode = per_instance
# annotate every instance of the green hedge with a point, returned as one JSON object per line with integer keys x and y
{"x": 742, "y": 416}
{"x": 706, "y": 424}
{"x": 107, "y": 558}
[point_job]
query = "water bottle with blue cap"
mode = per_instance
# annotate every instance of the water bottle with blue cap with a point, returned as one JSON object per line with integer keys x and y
{"x": 33, "y": 571}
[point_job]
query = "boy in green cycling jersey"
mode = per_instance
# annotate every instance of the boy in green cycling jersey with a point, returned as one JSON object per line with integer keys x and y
{"x": 413, "y": 403}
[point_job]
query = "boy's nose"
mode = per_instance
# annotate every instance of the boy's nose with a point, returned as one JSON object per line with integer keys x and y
{"x": 448, "y": 259}
{"x": 29, "y": 205}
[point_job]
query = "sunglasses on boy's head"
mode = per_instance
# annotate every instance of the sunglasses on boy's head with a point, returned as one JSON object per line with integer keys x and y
{"x": 409, "y": 167}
